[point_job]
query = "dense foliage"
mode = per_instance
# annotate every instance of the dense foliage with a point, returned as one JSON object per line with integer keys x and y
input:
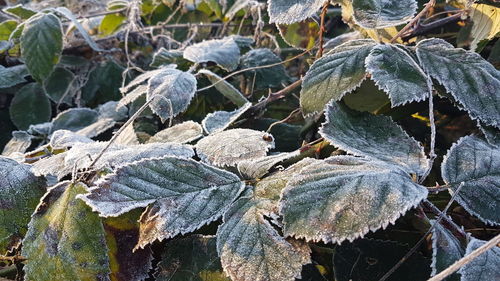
{"x": 249, "y": 140}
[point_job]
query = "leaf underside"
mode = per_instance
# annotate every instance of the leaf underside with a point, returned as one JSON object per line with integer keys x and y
{"x": 383, "y": 13}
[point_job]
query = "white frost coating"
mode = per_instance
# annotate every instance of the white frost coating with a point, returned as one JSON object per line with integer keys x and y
{"x": 53, "y": 165}
{"x": 220, "y": 120}
{"x": 344, "y": 197}
{"x": 337, "y": 73}
{"x": 396, "y": 73}
{"x": 132, "y": 96}
{"x": 475, "y": 164}
{"x": 471, "y": 80}
{"x": 373, "y": 136}
{"x": 228, "y": 148}
{"x": 19, "y": 143}
{"x": 64, "y": 138}
{"x": 181, "y": 133}
{"x": 224, "y": 52}
{"x": 172, "y": 91}
{"x": 252, "y": 250}
{"x": 128, "y": 136}
{"x": 97, "y": 128}
{"x": 383, "y": 13}
{"x": 446, "y": 250}
{"x": 254, "y": 169}
{"x": 186, "y": 195}
{"x": 74, "y": 119}
{"x": 140, "y": 79}
{"x": 483, "y": 268}
{"x": 290, "y": 11}
{"x": 111, "y": 110}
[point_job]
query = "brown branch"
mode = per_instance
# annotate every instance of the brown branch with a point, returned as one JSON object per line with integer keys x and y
{"x": 322, "y": 29}
{"x": 467, "y": 259}
{"x": 424, "y": 11}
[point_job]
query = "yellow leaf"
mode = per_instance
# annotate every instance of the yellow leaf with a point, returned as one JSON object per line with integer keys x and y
{"x": 486, "y": 21}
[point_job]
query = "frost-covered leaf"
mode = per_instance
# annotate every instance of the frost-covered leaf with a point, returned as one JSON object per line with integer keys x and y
{"x": 337, "y": 73}
{"x": 224, "y": 52}
{"x": 446, "y": 250}
{"x": 29, "y": 106}
{"x": 228, "y": 148}
{"x": 220, "y": 120}
{"x": 140, "y": 79}
{"x": 9, "y": 77}
{"x": 58, "y": 85}
{"x": 190, "y": 259}
{"x": 172, "y": 91}
{"x": 166, "y": 57}
{"x": 484, "y": 267}
{"x": 266, "y": 77}
{"x": 225, "y": 88}
{"x": 290, "y": 11}
{"x": 20, "y": 11}
{"x": 491, "y": 134}
{"x": 63, "y": 138}
{"x": 19, "y": 142}
{"x": 41, "y": 44}
{"x": 65, "y": 238}
{"x": 128, "y": 136}
{"x": 251, "y": 249}
{"x": 368, "y": 259}
{"x": 97, "y": 128}
{"x": 254, "y": 169}
{"x": 271, "y": 187}
{"x": 122, "y": 233}
{"x": 383, "y": 13}
{"x": 344, "y": 197}
{"x": 181, "y": 133}
{"x": 377, "y": 137}
{"x": 476, "y": 164}
{"x": 20, "y": 192}
{"x": 111, "y": 110}
{"x": 50, "y": 166}
{"x": 74, "y": 119}
{"x": 133, "y": 95}
{"x": 472, "y": 81}
{"x": 396, "y": 72}
{"x": 184, "y": 194}
{"x": 83, "y": 32}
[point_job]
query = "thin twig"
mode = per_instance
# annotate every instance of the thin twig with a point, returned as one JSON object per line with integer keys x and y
{"x": 322, "y": 29}
{"x": 290, "y": 116}
{"x": 424, "y": 11}
{"x": 447, "y": 222}
{"x": 467, "y": 259}
{"x": 440, "y": 217}
{"x": 432, "y": 154}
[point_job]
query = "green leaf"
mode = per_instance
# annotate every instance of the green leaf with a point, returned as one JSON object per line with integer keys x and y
{"x": 193, "y": 258}
{"x": 337, "y": 73}
{"x": 475, "y": 164}
{"x": 166, "y": 57}
{"x": 29, "y": 106}
{"x": 181, "y": 133}
{"x": 6, "y": 29}
{"x": 394, "y": 71}
{"x": 58, "y": 85}
{"x": 446, "y": 250}
{"x": 345, "y": 197}
{"x": 74, "y": 119}
{"x": 103, "y": 84}
{"x": 472, "y": 81}
{"x": 41, "y": 44}
{"x": 376, "y": 137}
{"x": 383, "y": 13}
{"x": 182, "y": 194}
{"x": 484, "y": 267}
{"x": 20, "y": 11}
{"x": 301, "y": 35}
{"x": 11, "y": 76}
{"x": 267, "y": 77}
{"x": 111, "y": 23}
{"x": 21, "y": 192}
{"x": 225, "y": 88}
{"x": 228, "y": 148}
{"x": 251, "y": 249}
{"x": 224, "y": 52}
{"x": 368, "y": 259}
{"x": 65, "y": 238}
{"x": 174, "y": 89}
{"x": 220, "y": 120}
{"x": 290, "y": 11}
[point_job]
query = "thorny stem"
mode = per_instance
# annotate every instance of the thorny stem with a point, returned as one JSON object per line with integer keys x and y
{"x": 467, "y": 259}
{"x": 424, "y": 11}
{"x": 322, "y": 30}
{"x": 440, "y": 217}
{"x": 447, "y": 222}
